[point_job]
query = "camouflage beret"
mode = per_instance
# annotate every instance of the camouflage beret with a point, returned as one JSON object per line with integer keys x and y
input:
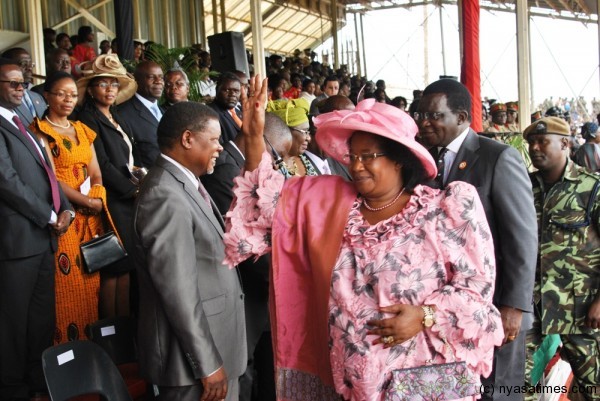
{"x": 497, "y": 107}
{"x": 548, "y": 125}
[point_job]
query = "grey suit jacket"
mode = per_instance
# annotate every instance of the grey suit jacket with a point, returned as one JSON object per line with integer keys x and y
{"x": 501, "y": 179}
{"x": 25, "y": 197}
{"x": 191, "y": 306}
{"x": 38, "y": 103}
{"x": 143, "y": 126}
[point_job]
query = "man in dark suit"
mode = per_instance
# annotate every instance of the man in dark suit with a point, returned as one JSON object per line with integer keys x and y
{"x": 228, "y": 96}
{"x": 191, "y": 326}
{"x": 33, "y": 104}
{"x": 142, "y": 111}
{"x": 499, "y": 175}
{"x": 34, "y": 211}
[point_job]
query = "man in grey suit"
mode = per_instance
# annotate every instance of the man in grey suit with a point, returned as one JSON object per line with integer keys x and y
{"x": 191, "y": 327}
{"x": 500, "y": 177}
{"x": 142, "y": 111}
{"x": 33, "y": 104}
{"x": 34, "y": 212}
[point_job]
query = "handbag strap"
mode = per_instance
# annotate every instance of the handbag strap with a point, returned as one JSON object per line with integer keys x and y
{"x": 99, "y": 191}
{"x": 446, "y": 345}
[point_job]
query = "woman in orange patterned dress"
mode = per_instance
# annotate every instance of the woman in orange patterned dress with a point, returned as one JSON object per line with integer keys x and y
{"x": 70, "y": 147}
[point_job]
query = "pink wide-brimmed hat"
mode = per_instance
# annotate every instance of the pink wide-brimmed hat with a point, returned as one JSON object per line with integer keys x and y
{"x": 335, "y": 129}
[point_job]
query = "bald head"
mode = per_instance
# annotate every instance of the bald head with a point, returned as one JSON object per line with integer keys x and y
{"x": 336, "y": 102}
{"x": 278, "y": 134}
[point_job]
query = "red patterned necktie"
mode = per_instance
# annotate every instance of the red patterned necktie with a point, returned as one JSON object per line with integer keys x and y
{"x": 204, "y": 194}
{"x": 49, "y": 172}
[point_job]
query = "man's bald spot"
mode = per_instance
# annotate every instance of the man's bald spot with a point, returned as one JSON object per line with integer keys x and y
{"x": 336, "y": 102}
{"x": 276, "y": 131}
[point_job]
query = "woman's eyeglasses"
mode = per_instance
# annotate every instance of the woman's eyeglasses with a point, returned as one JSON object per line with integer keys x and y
{"x": 15, "y": 84}
{"x": 106, "y": 85}
{"x": 364, "y": 158}
{"x": 62, "y": 95}
{"x": 177, "y": 84}
{"x": 302, "y": 131}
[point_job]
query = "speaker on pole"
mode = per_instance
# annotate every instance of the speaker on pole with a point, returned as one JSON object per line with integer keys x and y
{"x": 228, "y": 52}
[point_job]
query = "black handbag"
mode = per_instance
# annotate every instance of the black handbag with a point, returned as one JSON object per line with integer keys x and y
{"x": 101, "y": 251}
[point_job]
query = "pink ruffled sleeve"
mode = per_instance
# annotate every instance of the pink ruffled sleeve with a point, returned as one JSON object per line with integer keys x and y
{"x": 465, "y": 315}
{"x": 250, "y": 217}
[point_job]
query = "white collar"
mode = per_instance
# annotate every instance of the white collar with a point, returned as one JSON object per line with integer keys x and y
{"x": 8, "y": 114}
{"x": 146, "y": 102}
{"x": 195, "y": 181}
{"x": 455, "y": 145}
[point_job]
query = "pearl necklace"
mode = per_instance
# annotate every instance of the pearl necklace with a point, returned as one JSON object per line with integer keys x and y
{"x": 377, "y": 209}
{"x": 58, "y": 125}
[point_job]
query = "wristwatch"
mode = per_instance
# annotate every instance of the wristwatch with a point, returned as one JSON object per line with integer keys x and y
{"x": 72, "y": 213}
{"x": 429, "y": 319}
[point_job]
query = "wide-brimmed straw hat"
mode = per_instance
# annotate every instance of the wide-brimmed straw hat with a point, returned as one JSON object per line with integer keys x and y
{"x": 106, "y": 65}
{"x": 335, "y": 129}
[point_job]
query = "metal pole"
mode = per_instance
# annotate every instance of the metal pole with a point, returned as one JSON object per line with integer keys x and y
{"x": 334, "y": 33}
{"x": 523, "y": 63}
{"x": 257, "y": 38}
{"x": 223, "y": 18}
{"x": 36, "y": 36}
{"x": 443, "y": 41}
{"x": 358, "y": 58}
{"x": 201, "y": 22}
{"x": 362, "y": 37}
{"x": 215, "y": 17}
{"x": 425, "y": 46}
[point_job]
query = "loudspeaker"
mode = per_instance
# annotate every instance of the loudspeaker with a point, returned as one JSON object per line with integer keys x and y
{"x": 228, "y": 52}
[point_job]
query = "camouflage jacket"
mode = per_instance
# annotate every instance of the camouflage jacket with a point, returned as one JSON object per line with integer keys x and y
{"x": 568, "y": 268}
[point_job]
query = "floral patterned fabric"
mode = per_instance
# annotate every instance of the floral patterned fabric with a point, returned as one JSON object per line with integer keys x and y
{"x": 76, "y": 291}
{"x": 437, "y": 251}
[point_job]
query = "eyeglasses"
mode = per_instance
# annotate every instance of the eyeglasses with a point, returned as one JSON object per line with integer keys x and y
{"x": 26, "y": 64}
{"x": 426, "y": 115}
{"x": 15, "y": 84}
{"x": 305, "y": 132}
{"x": 62, "y": 95}
{"x": 178, "y": 84}
{"x": 106, "y": 85}
{"x": 364, "y": 158}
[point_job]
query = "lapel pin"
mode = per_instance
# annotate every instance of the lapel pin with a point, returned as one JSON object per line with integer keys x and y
{"x": 462, "y": 165}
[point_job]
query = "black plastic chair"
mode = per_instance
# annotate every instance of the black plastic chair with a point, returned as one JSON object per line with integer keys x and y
{"x": 117, "y": 336}
{"x": 82, "y": 367}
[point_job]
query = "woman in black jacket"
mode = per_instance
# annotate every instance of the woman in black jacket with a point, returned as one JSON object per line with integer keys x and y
{"x": 105, "y": 82}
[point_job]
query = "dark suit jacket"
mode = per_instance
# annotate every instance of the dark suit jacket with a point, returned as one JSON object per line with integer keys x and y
{"x": 23, "y": 111}
{"x": 143, "y": 126}
{"x": 499, "y": 174}
{"x": 25, "y": 197}
{"x": 229, "y": 129}
{"x": 112, "y": 153}
{"x": 219, "y": 184}
{"x": 191, "y": 306}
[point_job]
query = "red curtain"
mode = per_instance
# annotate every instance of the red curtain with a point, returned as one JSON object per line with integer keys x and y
{"x": 470, "y": 68}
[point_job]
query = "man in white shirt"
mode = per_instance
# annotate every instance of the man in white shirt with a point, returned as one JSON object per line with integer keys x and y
{"x": 142, "y": 112}
{"x": 35, "y": 212}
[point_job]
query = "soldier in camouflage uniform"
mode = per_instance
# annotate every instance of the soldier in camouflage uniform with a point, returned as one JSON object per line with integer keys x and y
{"x": 566, "y": 292}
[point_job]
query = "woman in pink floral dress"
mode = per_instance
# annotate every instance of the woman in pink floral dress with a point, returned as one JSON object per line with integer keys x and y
{"x": 372, "y": 276}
